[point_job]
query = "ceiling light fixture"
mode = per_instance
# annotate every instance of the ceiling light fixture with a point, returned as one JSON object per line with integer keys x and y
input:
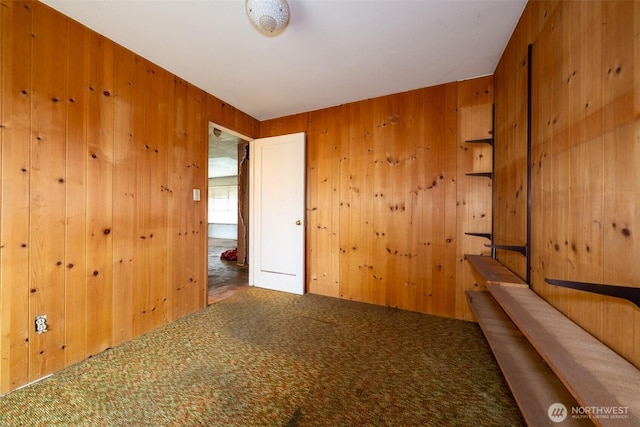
{"x": 268, "y": 16}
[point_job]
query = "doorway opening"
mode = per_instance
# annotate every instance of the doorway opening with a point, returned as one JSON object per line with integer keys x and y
{"x": 227, "y": 213}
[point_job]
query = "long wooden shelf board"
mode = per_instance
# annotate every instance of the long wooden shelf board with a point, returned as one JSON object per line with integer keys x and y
{"x": 492, "y": 272}
{"x": 594, "y": 374}
{"x": 533, "y": 384}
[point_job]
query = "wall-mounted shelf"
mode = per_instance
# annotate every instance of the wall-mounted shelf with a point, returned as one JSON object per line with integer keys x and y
{"x": 488, "y": 141}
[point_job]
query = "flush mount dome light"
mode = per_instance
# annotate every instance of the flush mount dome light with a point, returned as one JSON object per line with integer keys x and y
{"x": 268, "y": 16}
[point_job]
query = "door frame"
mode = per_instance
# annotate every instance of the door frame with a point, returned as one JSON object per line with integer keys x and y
{"x": 249, "y": 242}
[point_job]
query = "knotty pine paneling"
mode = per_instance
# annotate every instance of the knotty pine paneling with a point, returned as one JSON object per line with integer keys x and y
{"x": 510, "y": 185}
{"x": 585, "y": 152}
{"x": 99, "y": 153}
{"x": 77, "y": 158}
{"x": 127, "y": 206}
{"x": 100, "y": 115}
{"x": 322, "y": 241}
{"x": 187, "y": 229}
{"x": 474, "y": 204}
{"x": 382, "y": 195}
{"x": 621, "y": 178}
{"x": 47, "y": 193}
{"x": 196, "y": 151}
{"x": 230, "y": 117}
{"x": 15, "y": 134}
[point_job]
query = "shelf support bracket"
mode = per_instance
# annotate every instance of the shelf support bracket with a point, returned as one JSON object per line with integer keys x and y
{"x": 513, "y": 248}
{"x": 625, "y": 292}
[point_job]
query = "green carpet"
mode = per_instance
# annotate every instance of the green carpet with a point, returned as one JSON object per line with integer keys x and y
{"x": 265, "y": 358}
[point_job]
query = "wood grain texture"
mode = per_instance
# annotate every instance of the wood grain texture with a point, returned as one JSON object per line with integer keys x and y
{"x": 474, "y": 194}
{"x": 594, "y": 374}
{"x": 533, "y": 384}
{"x": 382, "y": 195}
{"x": 585, "y": 124}
{"x": 621, "y": 177}
{"x": 491, "y": 272}
{"x": 76, "y": 196}
{"x": 100, "y": 141}
{"x": 126, "y": 200}
{"x": 47, "y": 194}
{"x": 196, "y": 212}
{"x": 99, "y": 153}
{"x": 15, "y": 101}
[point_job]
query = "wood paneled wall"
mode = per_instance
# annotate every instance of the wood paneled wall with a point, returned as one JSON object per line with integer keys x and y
{"x": 99, "y": 153}
{"x": 388, "y": 201}
{"x": 585, "y": 157}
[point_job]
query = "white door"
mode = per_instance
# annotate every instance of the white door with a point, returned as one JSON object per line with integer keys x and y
{"x": 277, "y": 188}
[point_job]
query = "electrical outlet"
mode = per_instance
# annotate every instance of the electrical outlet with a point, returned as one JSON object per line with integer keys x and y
{"x": 41, "y": 323}
{"x": 196, "y": 194}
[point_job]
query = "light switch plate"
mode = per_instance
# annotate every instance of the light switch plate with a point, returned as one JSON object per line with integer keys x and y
{"x": 196, "y": 194}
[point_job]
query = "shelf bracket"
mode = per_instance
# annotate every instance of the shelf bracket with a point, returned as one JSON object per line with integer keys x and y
{"x": 513, "y": 248}
{"x": 625, "y": 292}
{"x": 480, "y": 141}
{"x": 485, "y": 235}
{"x": 485, "y": 174}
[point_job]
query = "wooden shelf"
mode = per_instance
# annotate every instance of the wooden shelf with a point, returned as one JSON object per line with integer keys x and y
{"x": 523, "y": 368}
{"x": 492, "y": 272}
{"x": 594, "y": 374}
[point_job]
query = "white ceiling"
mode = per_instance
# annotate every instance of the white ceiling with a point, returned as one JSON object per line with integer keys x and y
{"x": 332, "y": 52}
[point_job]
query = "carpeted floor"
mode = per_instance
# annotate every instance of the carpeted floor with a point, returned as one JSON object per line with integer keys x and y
{"x": 265, "y": 358}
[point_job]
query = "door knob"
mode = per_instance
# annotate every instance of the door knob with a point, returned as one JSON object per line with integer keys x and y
{"x": 298, "y": 222}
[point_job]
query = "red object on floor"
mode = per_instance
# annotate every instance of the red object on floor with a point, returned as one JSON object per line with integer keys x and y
{"x": 230, "y": 255}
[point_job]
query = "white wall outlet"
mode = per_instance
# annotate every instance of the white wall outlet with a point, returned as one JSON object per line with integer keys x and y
{"x": 196, "y": 194}
{"x": 41, "y": 323}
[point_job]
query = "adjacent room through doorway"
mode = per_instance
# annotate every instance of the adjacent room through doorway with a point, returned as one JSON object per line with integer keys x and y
{"x": 227, "y": 212}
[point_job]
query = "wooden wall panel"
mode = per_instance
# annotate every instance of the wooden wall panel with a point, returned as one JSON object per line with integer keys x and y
{"x": 99, "y": 153}
{"x": 286, "y": 125}
{"x": 100, "y": 141}
{"x": 226, "y": 115}
{"x": 177, "y": 223}
{"x": 47, "y": 193}
{"x": 135, "y": 185}
{"x": 358, "y": 168}
{"x": 15, "y": 131}
{"x": 323, "y": 181}
{"x": 585, "y": 133}
{"x": 510, "y": 185}
{"x": 474, "y": 204}
{"x": 196, "y": 212}
{"x": 187, "y": 218}
{"x": 621, "y": 178}
{"x": 447, "y": 290}
{"x": 382, "y": 190}
{"x": 126, "y": 197}
{"x": 149, "y": 299}
{"x": 155, "y": 196}
{"x": 76, "y": 195}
